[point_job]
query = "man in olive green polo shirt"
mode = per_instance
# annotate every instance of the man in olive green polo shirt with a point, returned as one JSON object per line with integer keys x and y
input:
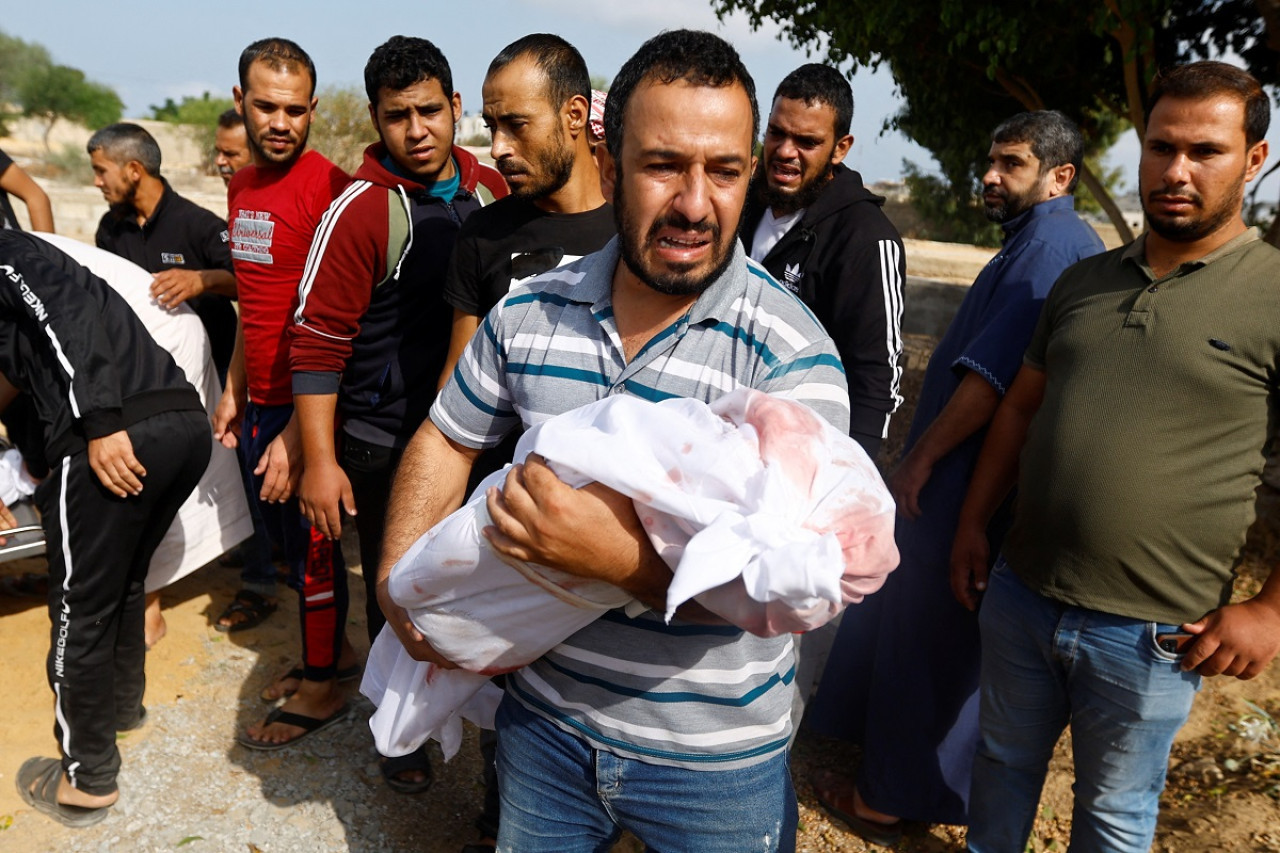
{"x": 1136, "y": 430}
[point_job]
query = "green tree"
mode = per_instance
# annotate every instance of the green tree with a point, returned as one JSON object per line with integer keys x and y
{"x": 963, "y": 65}
{"x": 16, "y": 57}
{"x": 199, "y": 117}
{"x": 202, "y": 111}
{"x": 52, "y": 92}
{"x": 342, "y": 128}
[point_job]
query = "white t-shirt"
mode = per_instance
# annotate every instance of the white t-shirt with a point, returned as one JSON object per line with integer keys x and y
{"x": 770, "y": 230}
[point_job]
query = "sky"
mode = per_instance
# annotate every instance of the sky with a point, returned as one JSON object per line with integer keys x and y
{"x": 148, "y": 51}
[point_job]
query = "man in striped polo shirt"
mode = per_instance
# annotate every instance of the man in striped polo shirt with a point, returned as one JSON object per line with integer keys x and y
{"x": 675, "y": 732}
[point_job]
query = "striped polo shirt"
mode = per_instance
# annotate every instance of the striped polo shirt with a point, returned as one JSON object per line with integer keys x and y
{"x": 680, "y": 694}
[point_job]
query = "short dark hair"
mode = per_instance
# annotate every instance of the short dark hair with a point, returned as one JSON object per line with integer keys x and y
{"x": 401, "y": 61}
{"x": 564, "y": 66}
{"x": 1197, "y": 80}
{"x": 230, "y": 118}
{"x": 279, "y": 54}
{"x": 1055, "y": 140}
{"x": 696, "y": 57}
{"x": 124, "y": 141}
{"x": 815, "y": 83}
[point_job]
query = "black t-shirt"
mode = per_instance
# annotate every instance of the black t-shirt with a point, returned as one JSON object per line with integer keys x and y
{"x": 180, "y": 234}
{"x": 511, "y": 240}
{"x": 500, "y": 246}
{"x": 7, "y": 217}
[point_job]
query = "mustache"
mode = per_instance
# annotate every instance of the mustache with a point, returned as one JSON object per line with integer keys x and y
{"x": 682, "y": 223}
{"x": 1166, "y": 193}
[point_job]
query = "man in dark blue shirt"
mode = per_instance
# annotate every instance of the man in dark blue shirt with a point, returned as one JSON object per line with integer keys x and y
{"x": 921, "y": 731}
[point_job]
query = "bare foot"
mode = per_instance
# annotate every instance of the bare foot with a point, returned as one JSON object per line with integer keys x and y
{"x": 842, "y": 794}
{"x": 155, "y": 627}
{"x": 286, "y": 685}
{"x": 862, "y": 810}
{"x": 316, "y": 699}
{"x": 70, "y": 796}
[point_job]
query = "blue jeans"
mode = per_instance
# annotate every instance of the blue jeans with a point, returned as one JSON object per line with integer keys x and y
{"x": 559, "y": 795}
{"x": 1046, "y": 665}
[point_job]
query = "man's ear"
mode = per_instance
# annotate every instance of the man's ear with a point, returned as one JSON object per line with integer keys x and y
{"x": 576, "y": 112}
{"x": 1255, "y": 157}
{"x": 843, "y": 144}
{"x": 238, "y": 97}
{"x": 1060, "y": 179}
{"x": 608, "y": 171}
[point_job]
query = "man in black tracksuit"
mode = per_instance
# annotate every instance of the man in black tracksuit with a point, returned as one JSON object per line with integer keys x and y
{"x": 822, "y": 234}
{"x": 127, "y": 440}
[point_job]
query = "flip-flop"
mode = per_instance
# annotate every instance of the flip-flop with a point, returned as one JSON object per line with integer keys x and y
{"x": 397, "y": 764}
{"x": 309, "y": 725}
{"x": 38, "y": 780}
{"x": 350, "y": 673}
{"x": 825, "y": 791}
{"x": 254, "y": 607}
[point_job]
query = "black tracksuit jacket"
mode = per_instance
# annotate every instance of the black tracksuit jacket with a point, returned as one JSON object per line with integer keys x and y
{"x": 77, "y": 348}
{"x": 845, "y": 260}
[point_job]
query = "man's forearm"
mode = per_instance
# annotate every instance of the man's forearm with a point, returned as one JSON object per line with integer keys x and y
{"x": 220, "y": 282}
{"x": 996, "y": 471}
{"x": 430, "y": 483}
{"x": 315, "y": 414}
{"x": 970, "y": 408}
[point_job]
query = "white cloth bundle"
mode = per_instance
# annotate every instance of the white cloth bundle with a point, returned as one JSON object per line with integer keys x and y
{"x": 216, "y": 514}
{"x": 767, "y": 515}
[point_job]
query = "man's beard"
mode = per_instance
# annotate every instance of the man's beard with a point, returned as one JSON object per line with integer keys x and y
{"x": 1190, "y": 229}
{"x": 1013, "y": 205}
{"x": 554, "y": 169}
{"x": 271, "y": 157}
{"x": 677, "y": 282}
{"x": 127, "y": 205}
{"x": 784, "y": 203}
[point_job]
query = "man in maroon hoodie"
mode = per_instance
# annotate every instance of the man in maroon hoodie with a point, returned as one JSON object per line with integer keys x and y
{"x": 371, "y": 332}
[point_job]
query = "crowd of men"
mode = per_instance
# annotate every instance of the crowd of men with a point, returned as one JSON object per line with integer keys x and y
{"x": 1080, "y": 469}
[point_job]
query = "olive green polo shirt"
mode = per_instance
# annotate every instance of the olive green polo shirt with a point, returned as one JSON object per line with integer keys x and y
{"x": 1137, "y": 479}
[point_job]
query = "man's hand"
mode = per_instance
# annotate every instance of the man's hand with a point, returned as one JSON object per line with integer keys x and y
{"x": 1237, "y": 640}
{"x": 281, "y": 465}
{"x": 172, "y": 287}
{"x": 970, "y": 561}
{"x": 905, "y": 484}
{"x": 227, "y": 418}
{"x": 7, "y": 522}
{"x": 111, "y": 458}
{"x": 323, "y": 491}
{"x": 592, "y": 532}
{"x": 407, "y": 633}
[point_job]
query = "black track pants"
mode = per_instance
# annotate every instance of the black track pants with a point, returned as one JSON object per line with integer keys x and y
{"x": 99, "y": 547}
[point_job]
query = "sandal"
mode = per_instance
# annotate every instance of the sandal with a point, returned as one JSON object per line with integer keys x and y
{"x": 836, "y": 795}
{"x": 350, "y": 673}
{"x": 252, "y": 609}
{"x": 417, "y": 760}
{"x": 38, "y": 780}
{"x": 309, "y": 726}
